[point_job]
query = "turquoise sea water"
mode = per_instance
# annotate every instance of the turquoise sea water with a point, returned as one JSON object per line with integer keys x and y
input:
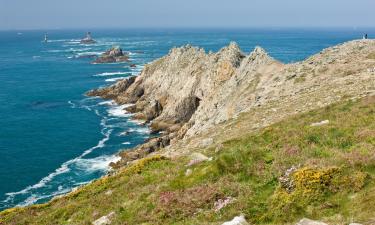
{"x": 53, "y": 138}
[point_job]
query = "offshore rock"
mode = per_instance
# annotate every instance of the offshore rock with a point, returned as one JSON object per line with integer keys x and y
{"x": 112, "y": 55}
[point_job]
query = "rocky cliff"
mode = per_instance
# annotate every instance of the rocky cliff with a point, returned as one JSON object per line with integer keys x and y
{"x": 232, "y": 148}
{"x": 189, "y": 91}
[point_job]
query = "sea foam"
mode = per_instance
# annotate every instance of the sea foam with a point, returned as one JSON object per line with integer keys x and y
{"x": 105, "y": 74}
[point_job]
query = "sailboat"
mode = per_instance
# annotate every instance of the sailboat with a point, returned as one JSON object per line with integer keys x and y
{"x": 45, "y": 38}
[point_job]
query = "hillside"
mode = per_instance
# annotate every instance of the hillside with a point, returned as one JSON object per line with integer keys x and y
{"x": 240, "y": 134}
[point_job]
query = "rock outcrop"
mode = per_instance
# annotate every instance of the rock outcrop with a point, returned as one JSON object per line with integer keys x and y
{"x": 238, "y": 220}
{"x": 115, "y": 90}
{"x": 190, "y": 92}
{"x": 104, "y": 220}
{"x": 112, "y": 55}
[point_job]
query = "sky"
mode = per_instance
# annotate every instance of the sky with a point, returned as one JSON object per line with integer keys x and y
{"x": 60, "y": 14}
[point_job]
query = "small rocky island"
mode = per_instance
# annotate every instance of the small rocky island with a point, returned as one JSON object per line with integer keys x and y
{"x": 112, "y": 55}
{"x": 88, "y": 39}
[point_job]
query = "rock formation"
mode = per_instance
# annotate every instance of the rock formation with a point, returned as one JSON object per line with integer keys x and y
{"x": 113, "y": 55}
{"x": 189, "y": 91}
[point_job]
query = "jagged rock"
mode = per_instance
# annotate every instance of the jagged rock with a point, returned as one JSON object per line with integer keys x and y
{"x": 104, "y": 220}
{"x": 189, "y": 92}
{"x": 112, "y": 55}
{"x": 305, "y": 221}
{"x": 112, "y": 91}
{"x": 318, "y": 124}
{"x": 152, "y": 145}
{"x": 238, "y": 220}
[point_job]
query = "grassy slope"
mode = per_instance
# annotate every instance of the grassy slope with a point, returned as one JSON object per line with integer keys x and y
{"x": 334, "y": 181}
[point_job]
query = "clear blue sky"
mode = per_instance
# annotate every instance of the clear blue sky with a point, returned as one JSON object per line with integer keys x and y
{"x": 43, "y": 14}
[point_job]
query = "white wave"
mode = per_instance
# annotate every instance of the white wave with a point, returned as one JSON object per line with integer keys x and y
{"x": 59, "y": 40}
{"x": 64, "y": 168}
{"x": 72, "y": 105}
{"x": 68, "y": 50}
{"x": 126, "y": 143}
{"x": 34, "y": 198}
{"x": 119, "y": 111}
{"x": 110, "y": 102}
{"x": 100, "y": 163}
{"x": 115, "y": 79}
{"x": 135, "y": 73}
{"x": 143, "y": 130}
{"x": 81, "y": 54}
{"x": 105, "y": 74}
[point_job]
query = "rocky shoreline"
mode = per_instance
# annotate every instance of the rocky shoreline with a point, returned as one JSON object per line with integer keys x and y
{"x": 188, "y": 92}
{"x": 242, "y": 138}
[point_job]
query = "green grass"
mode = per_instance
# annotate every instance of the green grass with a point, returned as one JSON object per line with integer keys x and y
{"x": 334, "y": 179}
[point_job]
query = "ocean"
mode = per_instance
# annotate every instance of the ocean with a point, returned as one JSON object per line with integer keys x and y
{"x": 53, "y": 138}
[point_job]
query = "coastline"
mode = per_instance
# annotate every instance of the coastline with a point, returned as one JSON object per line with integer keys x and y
{"x": 277, "y": 99}
{"x": 131, "y": 91}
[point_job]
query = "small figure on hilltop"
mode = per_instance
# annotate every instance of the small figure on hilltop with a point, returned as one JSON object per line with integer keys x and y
{"x": 88, "y": 39}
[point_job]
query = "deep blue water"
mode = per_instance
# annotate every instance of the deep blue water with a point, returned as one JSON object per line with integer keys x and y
{"x": 53, "y": 138}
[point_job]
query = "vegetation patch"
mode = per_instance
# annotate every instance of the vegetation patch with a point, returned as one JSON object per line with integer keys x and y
{"x": 277, "y": 175}
{"x": 309, "y": 186}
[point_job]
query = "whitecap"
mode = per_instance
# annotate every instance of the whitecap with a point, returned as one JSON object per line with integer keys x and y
{"x": 119, "y": 111}
{"x": 115, "y": 79}
{"x": 110, "y": 103}
{"x": 64, "y": 168}
{"x": 82, "y": 54}
{"x": 143, "y": 130}
{"x": 110, "y": 74}
{"x": 126, "y": 143}
{"x": 100, "y": 163}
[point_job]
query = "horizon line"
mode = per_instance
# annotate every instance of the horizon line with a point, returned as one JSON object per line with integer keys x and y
{"x": 192, "y": 28}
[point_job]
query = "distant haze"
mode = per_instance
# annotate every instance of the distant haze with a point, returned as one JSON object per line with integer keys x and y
{"x": 51, "y": 14}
